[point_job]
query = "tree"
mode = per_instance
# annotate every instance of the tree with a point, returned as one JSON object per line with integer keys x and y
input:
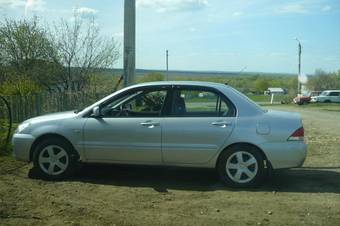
{"x": 261, "y": 84}
{"x": 81, "y": 50}
{"x": 25, "y": 49}
{"x": 323, "y": 81}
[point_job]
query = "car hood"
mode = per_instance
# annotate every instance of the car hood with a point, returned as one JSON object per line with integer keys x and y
{"x": 51, "y": 117}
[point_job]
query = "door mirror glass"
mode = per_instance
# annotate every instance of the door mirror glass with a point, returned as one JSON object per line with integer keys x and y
{"x": 96, "y": 111}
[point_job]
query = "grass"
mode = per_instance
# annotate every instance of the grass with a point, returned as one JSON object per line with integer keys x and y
{"x": 322, "y": 106}
{"x": 122, "y": 195}
{"x": 5, "y": 150}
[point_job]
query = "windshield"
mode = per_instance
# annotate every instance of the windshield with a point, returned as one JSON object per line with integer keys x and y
{"x": 324, "y": 93}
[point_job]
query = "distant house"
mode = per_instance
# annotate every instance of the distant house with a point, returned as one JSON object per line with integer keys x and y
{"x": 276, "y": 91}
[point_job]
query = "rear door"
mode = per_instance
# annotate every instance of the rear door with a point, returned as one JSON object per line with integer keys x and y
{"x": 199, "y": 123}
{"x": 334, "y": 96}
{"x": 337, "y": 99}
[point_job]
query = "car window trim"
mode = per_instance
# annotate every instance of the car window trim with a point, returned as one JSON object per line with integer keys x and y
{"x": 201, "y": 88}
{"x": 166, "y": 88}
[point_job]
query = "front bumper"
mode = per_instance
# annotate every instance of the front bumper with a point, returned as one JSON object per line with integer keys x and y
{"x": 22, "y": 144}
{"x": 288, "y": 154}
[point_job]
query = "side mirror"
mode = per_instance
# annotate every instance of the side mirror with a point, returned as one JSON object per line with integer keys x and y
{"x": 96, "y": 111}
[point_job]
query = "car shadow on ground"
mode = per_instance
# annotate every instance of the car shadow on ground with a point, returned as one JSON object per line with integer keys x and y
{"x": 161, "y": 179}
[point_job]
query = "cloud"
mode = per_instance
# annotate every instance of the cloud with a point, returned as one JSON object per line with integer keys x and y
{"x": 11, "y": 3}
{"x": 192, "y": 29}
{"x": 85, "y": 12}
{"x": 293, "y": 8}
{"x": 173, "y": 5}
{"x": 326, "y": 8}
{"x": 118, "y": 34}
{"x": 237, "y": 13}
{"x": 33, "y": 5}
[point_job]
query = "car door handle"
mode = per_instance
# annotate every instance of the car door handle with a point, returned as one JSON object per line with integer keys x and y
{"x": 150, "y": 124}
{"x": 221, "y": 123}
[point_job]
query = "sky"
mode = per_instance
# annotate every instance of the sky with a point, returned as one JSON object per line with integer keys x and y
{"x": 211, "y": 35}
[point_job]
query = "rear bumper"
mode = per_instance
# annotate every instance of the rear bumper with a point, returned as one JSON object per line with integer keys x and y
{"x": 22, "y": 144}
{"x": 285, "y": 154}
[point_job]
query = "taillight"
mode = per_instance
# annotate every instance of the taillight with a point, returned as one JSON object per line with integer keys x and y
{"x": 297, "y": 135}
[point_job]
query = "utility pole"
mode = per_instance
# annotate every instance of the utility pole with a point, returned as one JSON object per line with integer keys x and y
{"x": 299, "y": 67}
{"x": 167, "y": 65}
{"x": 129, "y": 41}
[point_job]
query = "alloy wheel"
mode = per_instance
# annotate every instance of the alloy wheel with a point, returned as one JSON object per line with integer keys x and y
{"x": 53, "y": 160}
{"x": 241, "y": 167}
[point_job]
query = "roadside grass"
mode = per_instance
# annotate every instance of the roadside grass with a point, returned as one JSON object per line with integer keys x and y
{"x": 322, "y": 106}
{"x": 311, "y": 106}
{"x": 3, "y": 136}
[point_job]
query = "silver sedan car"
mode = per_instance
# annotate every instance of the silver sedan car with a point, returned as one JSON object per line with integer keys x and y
{"x": 188, "y": 124}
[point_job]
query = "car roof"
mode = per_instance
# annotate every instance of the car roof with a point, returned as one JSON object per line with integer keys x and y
{"x": 186, "y": 83}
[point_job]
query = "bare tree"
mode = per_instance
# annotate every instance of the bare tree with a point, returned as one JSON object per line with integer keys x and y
{"x": 82, "y": 50}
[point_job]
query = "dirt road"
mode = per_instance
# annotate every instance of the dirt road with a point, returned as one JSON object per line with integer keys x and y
{"x": 121, "y": 195}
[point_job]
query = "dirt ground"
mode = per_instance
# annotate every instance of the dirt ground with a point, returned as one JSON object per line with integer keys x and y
{"x": 122, "y": 195}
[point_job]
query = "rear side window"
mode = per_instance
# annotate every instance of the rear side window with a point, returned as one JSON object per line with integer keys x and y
{"x": 334, "y": 94}
{"x": 200, "y": 103}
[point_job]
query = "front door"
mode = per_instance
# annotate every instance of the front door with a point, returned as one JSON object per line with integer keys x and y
{"x": 199, "y": 124}
{"x": 129, "y": 129}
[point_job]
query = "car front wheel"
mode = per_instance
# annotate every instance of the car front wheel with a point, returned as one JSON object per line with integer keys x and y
{"x": 54, "y": 159}
{"x": 241, "y": 166}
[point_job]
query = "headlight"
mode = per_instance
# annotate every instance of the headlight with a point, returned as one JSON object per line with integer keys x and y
{"x": 22, "y": 126}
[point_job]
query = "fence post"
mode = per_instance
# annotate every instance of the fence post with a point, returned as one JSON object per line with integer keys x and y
{"x": 37, "y": 104}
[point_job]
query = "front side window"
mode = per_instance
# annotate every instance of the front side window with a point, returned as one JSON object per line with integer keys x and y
{"x": 136, "y": 104}
{"x": 200, "y": 103}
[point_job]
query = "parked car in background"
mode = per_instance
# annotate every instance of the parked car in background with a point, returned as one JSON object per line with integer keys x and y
{"x": 327, "y": 96}
{"x": 305, "y": 98}
{"x": 188, "y": 124}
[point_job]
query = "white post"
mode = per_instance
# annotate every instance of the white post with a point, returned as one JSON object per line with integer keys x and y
{"x": 272, "y": 98}
{"x": 167, "y": 65}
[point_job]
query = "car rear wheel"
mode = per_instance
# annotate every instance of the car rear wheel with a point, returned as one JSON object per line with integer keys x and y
{"x": 54, "y": 159}
{"x": 241, "y": 166}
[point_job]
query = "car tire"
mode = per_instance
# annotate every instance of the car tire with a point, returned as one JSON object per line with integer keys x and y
{"x": 54, "y": 159}
{"x": 327, "y": 101}
{"x": 241, "y": 166}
